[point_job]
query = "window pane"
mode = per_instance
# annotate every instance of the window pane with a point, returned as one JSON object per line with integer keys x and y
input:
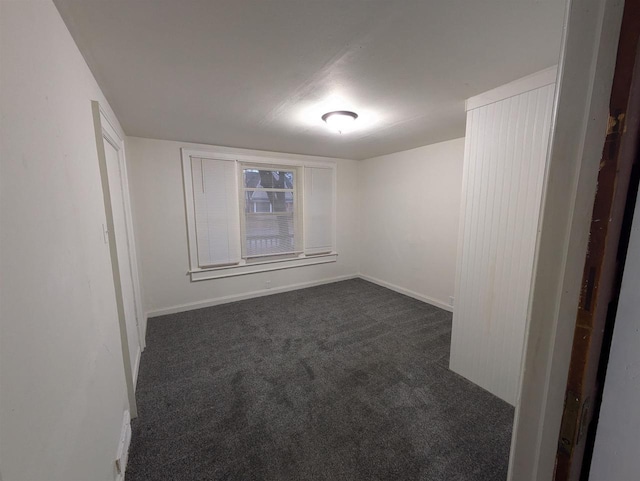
{"x": 269, "y": 217}
{"x": 267, "y": 179}
{"x": 256, "y": 201}
{"x": 269, "y": 233}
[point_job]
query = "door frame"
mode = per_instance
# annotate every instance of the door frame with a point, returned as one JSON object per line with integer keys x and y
{"x": 106, "y": 131}
{"x": 615, "y": 200}
{"x": 112, "y": 134}
{"x": 587, "y": 61}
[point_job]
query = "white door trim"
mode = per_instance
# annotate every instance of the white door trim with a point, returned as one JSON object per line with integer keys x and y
{"x": 115, "y": 138}
{"x": 104, "y": 131}
{"x": 587, "y": 62}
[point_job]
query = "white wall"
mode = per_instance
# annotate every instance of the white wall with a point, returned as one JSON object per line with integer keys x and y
{"x": 160, "y": 226}
{"x": 505, "y": 156}
{"x": 62, "y": 387}
{"x": 616, "y": 453}
{"x": 409, "y": 209}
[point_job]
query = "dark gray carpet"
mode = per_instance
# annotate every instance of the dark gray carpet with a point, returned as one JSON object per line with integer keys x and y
{"x": 345, "y": 381}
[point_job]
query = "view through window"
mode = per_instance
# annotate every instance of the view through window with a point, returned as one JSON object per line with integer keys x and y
{"x": 270, "y": 205}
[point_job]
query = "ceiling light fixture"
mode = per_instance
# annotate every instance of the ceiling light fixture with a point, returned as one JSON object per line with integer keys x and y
{"x": 340, "y": 120}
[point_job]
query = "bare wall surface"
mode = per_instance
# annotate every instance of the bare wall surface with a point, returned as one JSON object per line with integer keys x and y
{"x": 160, "y": 226}
{"x": 62, "y": 387}
{"x": 410, "y": 208}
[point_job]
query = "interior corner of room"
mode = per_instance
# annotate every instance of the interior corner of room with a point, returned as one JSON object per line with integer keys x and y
{"x": 315, "y": 241}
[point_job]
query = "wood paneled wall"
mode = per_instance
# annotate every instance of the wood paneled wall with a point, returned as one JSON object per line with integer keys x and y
{"x": 505, "y": 155}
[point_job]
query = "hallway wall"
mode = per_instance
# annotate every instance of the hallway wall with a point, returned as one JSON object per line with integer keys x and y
{"x": 62, "y": 386}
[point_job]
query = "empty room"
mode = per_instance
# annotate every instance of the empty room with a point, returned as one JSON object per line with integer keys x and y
{"x": 314, "y": 240}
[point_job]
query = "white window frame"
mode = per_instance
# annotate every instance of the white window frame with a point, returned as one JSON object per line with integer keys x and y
{"x": 263, "y": 264}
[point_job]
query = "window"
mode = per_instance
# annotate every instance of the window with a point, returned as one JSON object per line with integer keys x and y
{"x": 252, "y": 214}
{"x": 269, "y": 225}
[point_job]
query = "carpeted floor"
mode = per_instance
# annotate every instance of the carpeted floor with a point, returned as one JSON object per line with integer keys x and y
{"x": 345, "y": 381}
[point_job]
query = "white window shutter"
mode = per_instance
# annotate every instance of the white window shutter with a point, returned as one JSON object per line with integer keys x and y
{"x": 215, "y": 198}
{"x": 318, "y": 210}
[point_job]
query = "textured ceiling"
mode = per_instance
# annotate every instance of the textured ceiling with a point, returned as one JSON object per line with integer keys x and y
{"x": 259, "y": 74}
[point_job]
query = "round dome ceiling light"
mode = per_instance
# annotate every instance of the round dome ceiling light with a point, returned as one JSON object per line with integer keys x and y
{"x": 340, "y": 120}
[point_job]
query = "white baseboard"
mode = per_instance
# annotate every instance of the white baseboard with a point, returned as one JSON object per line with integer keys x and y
{"x": 247, "y": 295}
{"x": 136, "y": 368}
{"x": 293, "y": 287}
{"x": 407, "y": 292}
{"x": 122, "y": 453}
{"x": 144, "y": 331}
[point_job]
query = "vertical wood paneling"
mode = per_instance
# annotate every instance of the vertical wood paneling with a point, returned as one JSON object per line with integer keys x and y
{"x": 505, "y": 155}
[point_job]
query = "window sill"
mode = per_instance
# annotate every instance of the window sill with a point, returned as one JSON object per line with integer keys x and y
{"x": 262, "y": 266}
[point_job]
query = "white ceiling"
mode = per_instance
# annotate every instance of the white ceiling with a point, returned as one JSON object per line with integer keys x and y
{"x": 260, "y": 73}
